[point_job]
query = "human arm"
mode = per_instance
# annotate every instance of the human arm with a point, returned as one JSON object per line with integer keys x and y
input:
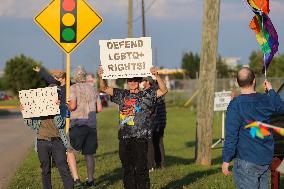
{"x": 72, "y": 104}
{"x": 46, "y": 76}
{"x": 162, "y": 89}
{"x": 232, "y": 127}
{"x": 103, "y": 86}
{"x": 275, "y": 98}
{"x": 99, "y": 105}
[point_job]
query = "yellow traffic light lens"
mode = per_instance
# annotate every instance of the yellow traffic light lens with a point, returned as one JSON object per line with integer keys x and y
{"x": 68, "y": 19}
{"x": 68, "y": 34}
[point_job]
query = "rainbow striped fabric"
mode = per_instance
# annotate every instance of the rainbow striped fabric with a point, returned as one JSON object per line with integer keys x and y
{"x": 260, "y": 130}
{"x": 262, "y": 26}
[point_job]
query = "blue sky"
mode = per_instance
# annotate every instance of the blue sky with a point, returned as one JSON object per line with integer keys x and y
{"x": 174, "y": 25}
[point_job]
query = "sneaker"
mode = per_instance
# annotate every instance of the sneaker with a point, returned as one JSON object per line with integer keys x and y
{"x": 151, "y": 170}
{"x": 89, "y": 184}
{"x": 78, "y": 183}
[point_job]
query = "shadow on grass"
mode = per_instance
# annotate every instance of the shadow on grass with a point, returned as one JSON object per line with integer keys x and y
{"x": 173, "y": 160}
{"x": 191, "y": 144}
{"x": 108, "y": 179}
{"x": 107, "y": 154}
{"x": 217, "y": 160}
{"x": 4, "y": 112}
{"x": 190, "y": 178}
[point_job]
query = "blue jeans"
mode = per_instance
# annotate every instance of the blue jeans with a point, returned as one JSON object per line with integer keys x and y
{"x": 250, "y": 176}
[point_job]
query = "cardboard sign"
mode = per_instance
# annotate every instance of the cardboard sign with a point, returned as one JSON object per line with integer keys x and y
{"x": 39, "y": 102}
{"x": 222, "y": 100}
{"x": 126, "y": 58}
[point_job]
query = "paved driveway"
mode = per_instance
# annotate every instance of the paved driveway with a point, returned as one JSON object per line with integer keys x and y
{"x": 15, "y": 141}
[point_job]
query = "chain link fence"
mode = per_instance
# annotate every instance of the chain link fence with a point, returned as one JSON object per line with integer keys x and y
{"x": 182, "y": 90}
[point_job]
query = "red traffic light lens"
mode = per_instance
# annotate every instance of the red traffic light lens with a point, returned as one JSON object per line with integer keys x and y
{"x": 68, "y": 5}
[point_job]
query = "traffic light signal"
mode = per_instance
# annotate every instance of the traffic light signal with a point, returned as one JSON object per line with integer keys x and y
{"x": 68, "y": 21}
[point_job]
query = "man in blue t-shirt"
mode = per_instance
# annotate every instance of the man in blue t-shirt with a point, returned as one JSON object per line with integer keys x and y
{"x": 135, "y": 108}
{"x": 252, "y": 155}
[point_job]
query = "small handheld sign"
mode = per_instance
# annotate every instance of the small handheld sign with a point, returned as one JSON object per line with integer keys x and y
{"x": 39, "y": 102}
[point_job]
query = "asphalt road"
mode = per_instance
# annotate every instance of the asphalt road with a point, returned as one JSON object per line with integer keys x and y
{"x": 15, "y": 141}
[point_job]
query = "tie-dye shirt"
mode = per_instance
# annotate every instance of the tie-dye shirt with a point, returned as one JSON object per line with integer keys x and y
{"x": 134, "y": 112}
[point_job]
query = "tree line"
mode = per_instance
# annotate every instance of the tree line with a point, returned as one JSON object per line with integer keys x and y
{"x": 191, "y": 61}
{"x": 19, "y": 74}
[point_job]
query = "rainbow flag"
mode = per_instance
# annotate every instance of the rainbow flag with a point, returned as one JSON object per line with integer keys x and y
{"x": 260, "y": 130}
{"x": 266, "y": 34}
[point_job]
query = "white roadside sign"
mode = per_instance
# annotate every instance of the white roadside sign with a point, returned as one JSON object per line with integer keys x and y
{"x": 126, "y": 58}
{"x": 222, "y": 100}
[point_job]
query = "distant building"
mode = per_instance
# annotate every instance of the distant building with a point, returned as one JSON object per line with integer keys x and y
{"x": 232, "y": 62}
{"x": 1, "y": 73}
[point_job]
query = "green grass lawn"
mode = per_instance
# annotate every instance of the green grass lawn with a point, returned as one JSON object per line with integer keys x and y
{"x": 12, "y": 102}
{"x": 180, "y": 172}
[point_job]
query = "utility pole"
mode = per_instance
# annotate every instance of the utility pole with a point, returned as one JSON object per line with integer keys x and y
{"x": 130, "y": 19}
{"x": 143, "y": 20}
{"x": 207, "y": 77}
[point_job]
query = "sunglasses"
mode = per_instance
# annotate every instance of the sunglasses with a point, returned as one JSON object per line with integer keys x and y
{"x": 134, "y": 80}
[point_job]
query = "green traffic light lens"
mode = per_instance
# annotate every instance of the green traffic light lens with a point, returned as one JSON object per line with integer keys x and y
{"x": 68, "y": 34}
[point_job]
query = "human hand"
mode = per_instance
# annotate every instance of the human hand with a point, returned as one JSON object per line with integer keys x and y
{"x": 100, "y": 71}
{"x": 21, "y": 107}
{"x": 225, "y": 168}
{"x": 267, "y": 85}
{"x": 58, "y": 102}
{"x": 154, "y": 71}
{"x": 36, "y": 69}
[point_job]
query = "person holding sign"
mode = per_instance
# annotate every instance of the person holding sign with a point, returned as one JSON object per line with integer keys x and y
{"x": 135, "y": 107}
{"x": 51, "y": 143}
{"x": 252, "y": 154}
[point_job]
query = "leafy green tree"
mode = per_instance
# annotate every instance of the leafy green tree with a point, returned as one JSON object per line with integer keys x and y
{"x": 19, "y": 74}
{"x": 2, "y": 84}
{"x": 190, "y": 63}
{"x": 256, "y": 62}
{"x": 223, "y": 71}
{"x": 276, "y": 67}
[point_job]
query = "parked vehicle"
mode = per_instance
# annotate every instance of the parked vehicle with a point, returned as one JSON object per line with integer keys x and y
{"x": 4, "y": 96}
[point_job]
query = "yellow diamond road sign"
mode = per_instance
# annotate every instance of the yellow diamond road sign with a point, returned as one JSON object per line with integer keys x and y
{"x": 68, "y": 22}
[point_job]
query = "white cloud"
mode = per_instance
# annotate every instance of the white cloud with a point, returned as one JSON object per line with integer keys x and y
{"x": 29, "y": 8}
{"x": 161, "y": 9}
{"x": 21, "y": 8}
{"x": 235, "y": 11}
{"x": 173, "y": 9}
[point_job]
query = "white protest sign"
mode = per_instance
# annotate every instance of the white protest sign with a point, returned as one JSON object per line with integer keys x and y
{"x": 126, "y": 58}
{"x": 222, "y": 100}
{"x": 39, "y": 102}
